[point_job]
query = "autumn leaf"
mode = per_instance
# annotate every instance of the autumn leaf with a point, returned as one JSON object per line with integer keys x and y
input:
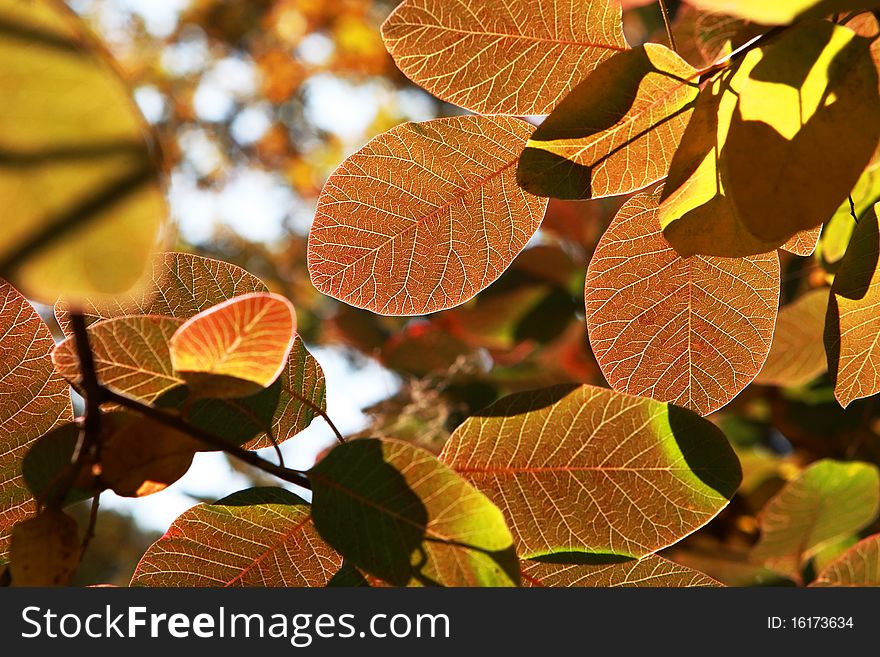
{"x": 826, "y": 501}
{"x": 424, "y": 216}
{"x": 397, "y": 513}
{"x": 806, "y": 102}
{"x": 852, "y": 322}
{"x": 497, "y": 57}
{"x": 235, "y": 348}
{"x": 80, "y": 182}
{"x": 131, "y": 355}
{"x": 839, "y": 229}
{"x": 780, "y": 12}
{"x": 797, "y": 355}
{"x": 47, "y": 462}
{"x": 44, "y": 550}
{"x": 689, "y": 331}
{"x": 804, "y": 242}
{"x": 33, "y": 399}
{"x": 256, "y": 537}
{"x": 858, "y": 566}
{"x": 651, "y": 571}
{"x": 616, "y": 474}
{"x": 348, "y": 577}
{"x": 616, "y": 131}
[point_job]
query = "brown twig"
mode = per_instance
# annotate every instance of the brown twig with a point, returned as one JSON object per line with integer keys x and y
{"x": 317, "y": 409}
{"x": 90, "y": 530}
{"x": 668, "y": 24}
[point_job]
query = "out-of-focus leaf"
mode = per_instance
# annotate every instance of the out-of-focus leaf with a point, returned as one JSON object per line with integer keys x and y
{"x": 690, "y": 331}
{"x": 616, "y": 131}
{"x": 423, "y": 348}
{"x": 492, "y": 57}
{"x": 47, "y": 460}
{"x": 33, "y": 399}
{"x": 398, "y": 513}
{"x": 852, "y": 322}
{"x": 235, "y": 348}
{"x": 256, "y": 537}
{"x": 79, "y": 182}
{"x": 131, "y": 355}
{"x": 178, "y": 285}
{"x": 640, "y": 474}
{"x": 780, "y": 12}
{"x": 797, "y": 355}
{"x": 810, "y": 97}
{"x": 858, "y": 566}
{"x": 650, "y": 571}
{"x": 828, "y": 500}
{"x": 424, "y": 216}
{"x": 44, "y": 550}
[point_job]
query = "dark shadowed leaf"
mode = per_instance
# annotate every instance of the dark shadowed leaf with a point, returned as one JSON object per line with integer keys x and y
{"x": 44, "y": 550}
{"x": 45, "y": 466}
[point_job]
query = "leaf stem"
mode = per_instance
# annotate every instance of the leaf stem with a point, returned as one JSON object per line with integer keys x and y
{"x": 317, "y": 409}
{"x": 90, "y": 530}
{"x": 668, "y": 24}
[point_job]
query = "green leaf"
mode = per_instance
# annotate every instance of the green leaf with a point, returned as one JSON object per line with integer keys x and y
{"x": 780, "y": 12}
{"x": 80, "y": 181}
{"x": 256, "y": 537}
{"x": 616, "y": 131}
{"x": 827, "y": 501}
{"x": 651, "y": 571}
{"x": 47, "y": 459}
{"x": 616, "y": 474}
{"x": 397, "y": 513}
{"x": 33, "y": 399}
{"x": 858, "y": 566}
{"x": 839, "y": 229}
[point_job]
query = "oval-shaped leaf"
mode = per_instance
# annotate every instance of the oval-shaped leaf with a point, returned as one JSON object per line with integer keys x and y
{"x": 825, "y": 502}
{"x": 44, "y": 550}
{"x": 615, "y": 474}
{"x": 651, "y": 571}
{"x": 256, "y": 537}
{"x": 424, "y": 216}
{"x": 690, "y": 331}
{"x": 494, "y": 57}
{"x": 858, "y": 566}
{"x": 235, "y": 348}
{"x": 616, "y": 131}
{"x": 780, "y": 12}
{"x": 33, "y": 399}
{"x": 798, "y": 353}
{"x": 397, "y": 513}
{"x": 45, "y": 465}
{"x": 852, "y": 322}
{"x": 80, "y": 183}
{"x": 131, "y": 355}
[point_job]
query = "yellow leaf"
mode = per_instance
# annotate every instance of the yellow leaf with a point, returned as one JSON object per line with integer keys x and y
{"x": 45, "y": 550}
{"x": 780, "y": 12}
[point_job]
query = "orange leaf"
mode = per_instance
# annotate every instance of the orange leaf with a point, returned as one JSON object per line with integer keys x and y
{"x": 45, "y": 550}
{"x": 498, "y": 57}
{"x": 858, "y": 566}
{"x": 237, "y": 347}
{"x": 690, "y": 331}
{"x": 424, "y": 217}
{"x": 651, "y": 571}
{"x": 804, "y": 242}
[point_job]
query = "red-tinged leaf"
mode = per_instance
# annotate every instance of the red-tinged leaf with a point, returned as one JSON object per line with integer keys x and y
{"x": 616, "y": 131}
{"x": 396, "y": 512}
{"x": 424, "y": 217}
{"x": 798, "y": 354}
{"x": 651, "y": 571}
{"x": 827, "y": 501}
{"x": 44, "y": 550}
{"x": 689, "y": 331}
{"x": 498, "y": 57}
{"x": 858, "y": 566}
{"x": 256, "y": 537}
{"x": 131, "y": 355}
{"x": 804, "y": 242}
{"x": 237, "y": 347}
{"x": 615, "y": 474}
{"x": 178, "y": 285}
{"x": 33, "y": 399}
{"x": 853, "y": 322}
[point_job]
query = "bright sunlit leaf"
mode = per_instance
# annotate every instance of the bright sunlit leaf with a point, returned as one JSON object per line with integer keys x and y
{"x": 651, "y": 571}
{"x": 780, "y": 12}
{"x": 858, "y": 566}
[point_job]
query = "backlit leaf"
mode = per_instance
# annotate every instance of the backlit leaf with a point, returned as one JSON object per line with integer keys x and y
{"x": 616, "y": 131}
{"x": 237, "y": 347}
{"x": 45, "y": 465}
{"x": 424, "y": 216}
{"x": 780, "y": 12}
{"x": 858, "y": 566}
{"x": 44, "y": 550}
{"x": 131, "y": 355}
{"x": 502, "y": 57}
{"x": 798, "y": 353}
{"x": 79, "y": 180}
{"x": 690, "y": 331}
{"x": 837, "y": 232}
{"x": 33, "y": 399}
{"x": 825, "y": 502}
{"x": 256, "y": 537}
{"x": 804, "y": 242}
{"x": 397, "y": 513}
{"x": 852, "y": 322}
{"x": 651, "y": 571}
{"x": 615, "y": 474}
